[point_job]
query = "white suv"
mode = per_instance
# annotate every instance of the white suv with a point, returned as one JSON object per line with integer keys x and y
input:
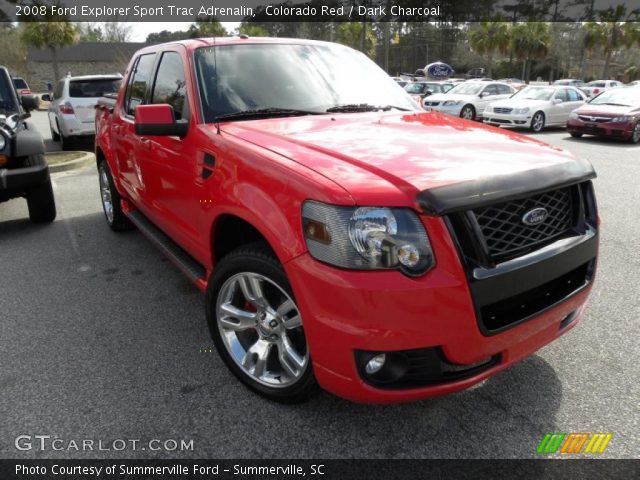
{"x": 72, "y": 107}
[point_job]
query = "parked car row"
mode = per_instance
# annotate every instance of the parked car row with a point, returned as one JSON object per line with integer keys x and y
{"x": 602, "y": 107}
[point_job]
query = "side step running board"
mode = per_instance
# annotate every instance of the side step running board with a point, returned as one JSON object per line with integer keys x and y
{"x": 185, "y": 262}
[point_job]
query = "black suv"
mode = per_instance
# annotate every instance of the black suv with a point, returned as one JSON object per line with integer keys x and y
{"x": 23, "y": 168}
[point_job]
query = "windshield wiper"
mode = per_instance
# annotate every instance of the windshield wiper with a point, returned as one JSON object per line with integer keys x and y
{"x": 265, "y": 113}
{"x": 363, "y": 107}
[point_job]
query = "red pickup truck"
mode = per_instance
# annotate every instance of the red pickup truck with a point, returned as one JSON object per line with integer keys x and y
{"x": 343, "y": 237}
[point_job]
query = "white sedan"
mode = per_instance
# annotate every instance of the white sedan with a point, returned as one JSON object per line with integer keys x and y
{"x": 535, "y": 107}
{"x": 469, "y": 99}
{"x": 597, "y": 86}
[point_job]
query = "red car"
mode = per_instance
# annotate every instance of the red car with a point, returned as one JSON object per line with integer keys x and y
{"x": 613, "y": 113}
{"x": 342, "y": 237}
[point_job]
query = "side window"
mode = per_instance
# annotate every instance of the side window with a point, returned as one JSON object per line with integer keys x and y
{"x": 171, "y": 86}
{"x": 138, "y": 81}
{"x": 490, "y": 90}
{"x": 574, "y": 96}
{"x": 562, "y": 94}
{"x": 505, "y": 90}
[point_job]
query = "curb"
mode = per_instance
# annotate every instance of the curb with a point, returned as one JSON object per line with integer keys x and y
{"x": 87, "y": 159}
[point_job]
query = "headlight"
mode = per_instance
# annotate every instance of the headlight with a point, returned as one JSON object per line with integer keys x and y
{"x": 573, "y": 115}
{"x": 520, "y": 111}
{"x": 620, "y": 119}
{"x": 450, "y": 103}
{"x": 367, "y": 238}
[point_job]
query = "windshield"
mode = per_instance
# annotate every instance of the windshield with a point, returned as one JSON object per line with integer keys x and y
{"x": 534, "y": 93}
{"x": 310, "y": 78}
{"x": 467, "y": 89}
{"x": 93, "y": 88}
{"x": 625, "y": 97}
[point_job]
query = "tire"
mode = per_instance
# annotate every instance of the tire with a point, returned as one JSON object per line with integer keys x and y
{"x": 468, "y": 112}
{"x": 254, "y": 351}
{"x": 40, "y": 200}
{"x": 575, "y": 134}
{"x": 66, "y": 143}
{"x": 110, "y": 198}
{"x": 635, "y": 135}
{"x": 54, "y": 136}
{"x": 537, "y": 122}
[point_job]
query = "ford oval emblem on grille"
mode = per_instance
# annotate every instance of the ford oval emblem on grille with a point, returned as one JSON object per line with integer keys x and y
{"x": 535, "y": 216}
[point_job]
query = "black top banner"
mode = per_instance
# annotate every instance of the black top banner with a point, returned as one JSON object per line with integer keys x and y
{"x": 317, "y": 11}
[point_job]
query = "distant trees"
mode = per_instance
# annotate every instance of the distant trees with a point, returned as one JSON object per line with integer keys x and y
{"x": 610, "y": 34}
{"x": 53, "y": 33}
{"x": 489, "y": 38}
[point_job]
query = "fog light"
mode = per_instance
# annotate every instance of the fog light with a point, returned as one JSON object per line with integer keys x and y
{"x": 3, "y": 160}
{"x": 375, "y": 364}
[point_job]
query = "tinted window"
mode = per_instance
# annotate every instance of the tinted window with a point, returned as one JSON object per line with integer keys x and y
{"x": 6, "y": 98}
{"x": 20, "y": 84}
{"x": 504, "y": 89}
{"x": 171, "y": 86}
{"x": 93, "y": 88}
{"x": 139, "y": 79}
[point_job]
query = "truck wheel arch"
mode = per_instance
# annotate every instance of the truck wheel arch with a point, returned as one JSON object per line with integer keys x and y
{"x": 230, "y": 231}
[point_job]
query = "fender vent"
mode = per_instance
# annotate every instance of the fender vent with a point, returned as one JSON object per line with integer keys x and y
{"x": 209, "y": 164}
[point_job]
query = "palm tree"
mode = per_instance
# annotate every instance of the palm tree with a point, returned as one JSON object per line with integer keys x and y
{"x": 530, "y": 41}
{"x": 610, "y": 34}
{"x": 489, "y": 38}
{"x": 50, "y": 35}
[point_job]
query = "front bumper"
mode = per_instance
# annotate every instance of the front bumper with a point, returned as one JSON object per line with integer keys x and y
{"x": 19, "y": 179}
{"x": 384, "y": 311}
{"x": 623, "y": 130}
{"x": 507, "y": 120}
{"x": 449, "y": 109}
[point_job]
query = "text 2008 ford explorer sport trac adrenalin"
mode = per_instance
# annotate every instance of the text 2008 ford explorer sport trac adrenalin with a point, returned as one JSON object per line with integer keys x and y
{"x": 342, "y": 236}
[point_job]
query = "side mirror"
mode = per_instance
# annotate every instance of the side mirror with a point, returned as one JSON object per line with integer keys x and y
{"x": 46, "y": 97}
{"x": 159, "y": 120}
{"x": 30, "y": 102}
{"x": 484, "y": 94}
{"x": 556, "y": 101}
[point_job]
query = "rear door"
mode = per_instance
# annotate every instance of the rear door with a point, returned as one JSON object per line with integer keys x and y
{"x": 172, "y": 167}
{"x": 125, "y": 141}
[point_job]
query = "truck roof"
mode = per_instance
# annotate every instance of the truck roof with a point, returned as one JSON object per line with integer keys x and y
{"x": 192, "y": 44}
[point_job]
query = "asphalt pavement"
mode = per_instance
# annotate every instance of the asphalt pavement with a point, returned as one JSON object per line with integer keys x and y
{"x": 102, "y": 338}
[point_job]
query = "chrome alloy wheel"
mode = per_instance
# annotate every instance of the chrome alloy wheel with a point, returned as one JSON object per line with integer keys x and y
{"x": 261, "y": 328}
{"x": 537, "y": 124}
{"x": 467, "y": 113}
{"x": 105, "y": 193}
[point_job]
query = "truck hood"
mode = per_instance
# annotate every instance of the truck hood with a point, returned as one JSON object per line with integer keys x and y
{"x": 391, "y": 157}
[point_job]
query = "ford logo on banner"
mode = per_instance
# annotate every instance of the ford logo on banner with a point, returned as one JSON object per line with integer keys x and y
{"x": 439, "y": 70}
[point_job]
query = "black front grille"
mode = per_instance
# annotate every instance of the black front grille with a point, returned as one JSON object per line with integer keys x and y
{"x": 508, "y": 288}
{"x": 587, "y": 118}
{"x": 505, "y": 232}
